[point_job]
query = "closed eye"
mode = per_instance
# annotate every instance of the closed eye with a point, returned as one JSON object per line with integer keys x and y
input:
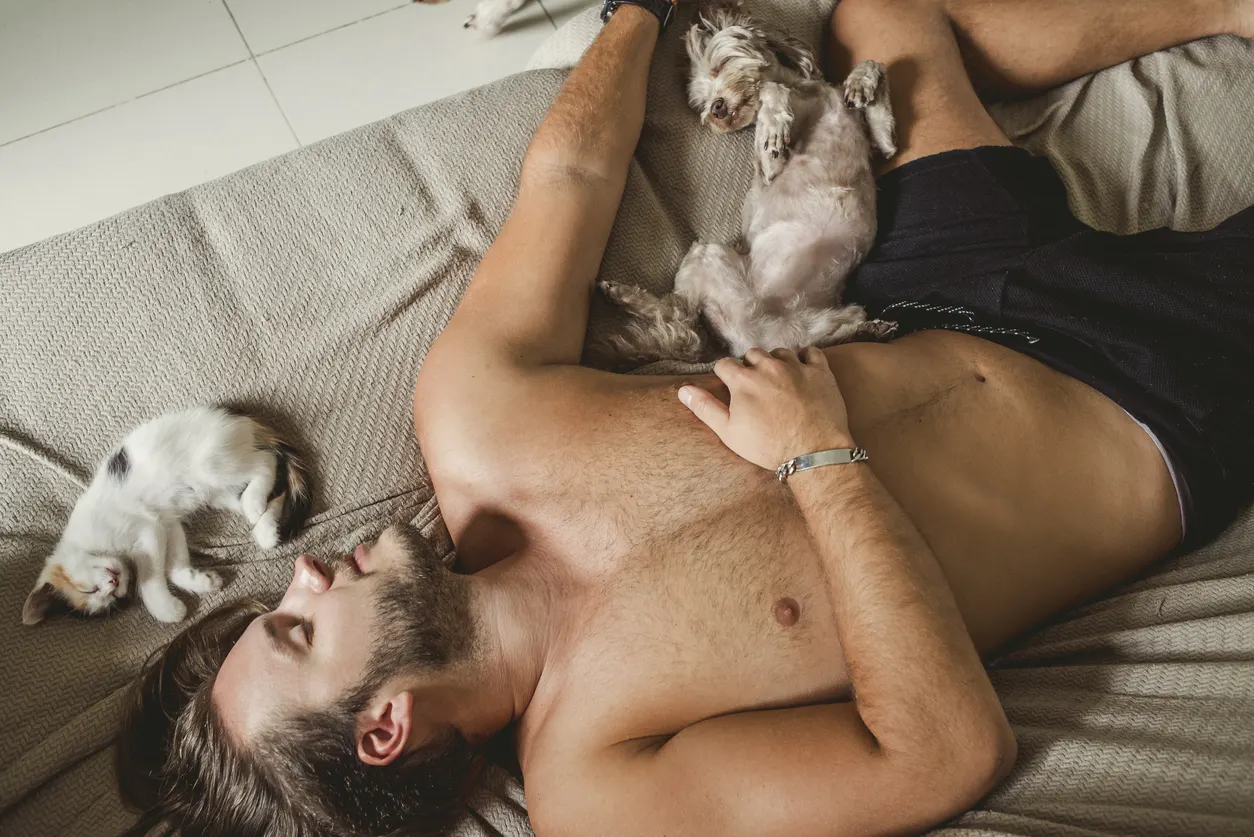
{"x": 88, "y": 592}
{"x": 307, "y": 627}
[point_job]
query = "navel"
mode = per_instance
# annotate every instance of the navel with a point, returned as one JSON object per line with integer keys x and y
{"x": 787, "y": 612}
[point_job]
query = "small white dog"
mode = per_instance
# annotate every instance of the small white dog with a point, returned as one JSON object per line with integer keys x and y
{"x": 809, "y": 217}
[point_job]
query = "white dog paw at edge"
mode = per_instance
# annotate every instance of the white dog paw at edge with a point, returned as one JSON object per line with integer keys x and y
{"x": 862, "y": 85}
{"x": 774, "y": 130}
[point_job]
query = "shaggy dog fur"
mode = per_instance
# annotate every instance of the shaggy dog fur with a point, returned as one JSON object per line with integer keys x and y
{"x": 809, "y": 217}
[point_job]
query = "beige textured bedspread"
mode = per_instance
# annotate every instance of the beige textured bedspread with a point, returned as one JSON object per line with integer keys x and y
{"x": 312, "y": 285}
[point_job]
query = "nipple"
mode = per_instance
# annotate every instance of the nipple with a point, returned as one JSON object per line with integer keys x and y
{"x": 787, "y": 612}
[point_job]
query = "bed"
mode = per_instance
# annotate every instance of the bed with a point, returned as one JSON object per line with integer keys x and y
{"x": 311, "y": 285}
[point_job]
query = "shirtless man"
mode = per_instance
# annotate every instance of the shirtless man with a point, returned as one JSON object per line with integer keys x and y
{"x": 676, "y": 642}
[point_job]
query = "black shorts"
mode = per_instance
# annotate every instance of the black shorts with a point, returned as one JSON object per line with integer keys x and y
{"x": 1161, "y": 322}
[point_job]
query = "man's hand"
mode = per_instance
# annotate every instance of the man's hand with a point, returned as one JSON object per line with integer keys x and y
{"x": 782, "y": 406}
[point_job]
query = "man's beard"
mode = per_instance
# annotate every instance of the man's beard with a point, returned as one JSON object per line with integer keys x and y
{"x": 422, "y": 620}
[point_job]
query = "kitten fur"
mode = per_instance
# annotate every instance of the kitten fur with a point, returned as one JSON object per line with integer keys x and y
{"x": 807, "y": 221}
{"x": 131, "y": 514}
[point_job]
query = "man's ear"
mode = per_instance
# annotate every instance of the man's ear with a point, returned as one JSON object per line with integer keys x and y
{"x": 37, "y": 603}
{"x": 383, "y": 733}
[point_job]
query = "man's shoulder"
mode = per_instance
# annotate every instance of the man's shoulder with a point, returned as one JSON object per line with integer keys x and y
{"x": 568, "y": 756}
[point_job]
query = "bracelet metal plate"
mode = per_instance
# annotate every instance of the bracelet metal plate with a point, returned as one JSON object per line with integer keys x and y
{"x": 839, "y": 456}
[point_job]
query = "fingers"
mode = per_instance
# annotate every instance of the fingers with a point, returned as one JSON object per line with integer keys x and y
{"x": 755, "y": 356}
{"x": 815, "y": 357}
{"x": 727, "y": 369}
{"x": 710, "y": 410}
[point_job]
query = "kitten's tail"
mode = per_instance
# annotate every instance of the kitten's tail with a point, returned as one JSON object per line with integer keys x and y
{"x": 291, "y": 482}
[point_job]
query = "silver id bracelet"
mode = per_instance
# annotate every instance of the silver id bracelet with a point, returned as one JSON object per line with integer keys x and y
{"x": 840, "y": 456}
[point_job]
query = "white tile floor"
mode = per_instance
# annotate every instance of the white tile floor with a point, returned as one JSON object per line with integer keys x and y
{"x": 106, "y": 104}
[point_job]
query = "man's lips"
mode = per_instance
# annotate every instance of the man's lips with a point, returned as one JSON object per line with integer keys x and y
{"x": 360, "y": 559}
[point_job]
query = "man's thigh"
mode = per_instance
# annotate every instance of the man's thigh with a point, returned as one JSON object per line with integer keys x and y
{"x": 934, "y": 102}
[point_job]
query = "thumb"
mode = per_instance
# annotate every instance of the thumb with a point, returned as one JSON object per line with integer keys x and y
{"x": 705, "y": 407}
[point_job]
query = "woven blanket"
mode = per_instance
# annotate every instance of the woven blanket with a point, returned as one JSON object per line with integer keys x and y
{"x": 311, "y": 286}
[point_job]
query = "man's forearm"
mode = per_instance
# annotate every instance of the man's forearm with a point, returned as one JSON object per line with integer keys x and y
{"x": 527, "y": 305}
{"x": 919, "y": 683}
{"x": 594, "y": 124}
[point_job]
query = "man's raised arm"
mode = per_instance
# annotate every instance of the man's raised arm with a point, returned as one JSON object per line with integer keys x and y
{"x": 527, "y": 305}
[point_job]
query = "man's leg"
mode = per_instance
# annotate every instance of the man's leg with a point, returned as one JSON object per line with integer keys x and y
{"x": 939, "y": 52}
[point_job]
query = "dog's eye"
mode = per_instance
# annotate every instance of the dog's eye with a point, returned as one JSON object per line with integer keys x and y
{"x": 87, "y": 592}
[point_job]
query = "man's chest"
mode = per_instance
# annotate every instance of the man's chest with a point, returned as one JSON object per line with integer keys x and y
{"x": 726, "y": 615}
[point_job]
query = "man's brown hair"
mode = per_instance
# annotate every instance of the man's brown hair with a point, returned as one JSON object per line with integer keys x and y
{"x": 302, "y": 778}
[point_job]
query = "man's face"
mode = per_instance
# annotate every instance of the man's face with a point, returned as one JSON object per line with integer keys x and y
{"x": 316, "y": 645}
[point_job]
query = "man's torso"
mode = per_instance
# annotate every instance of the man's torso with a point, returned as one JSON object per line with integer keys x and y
{"x": 681, "y": 564}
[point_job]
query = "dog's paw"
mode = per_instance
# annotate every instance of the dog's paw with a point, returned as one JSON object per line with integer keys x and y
{"x": 773, "y": 135}
{"x": 774, "y": 152}
{"x": 617, "y": 292}
{"x": 489, "y": 17}
{"x": 196, "y": 581}
{"x": 876, "y": 330}
{"x": 863, "y": 83}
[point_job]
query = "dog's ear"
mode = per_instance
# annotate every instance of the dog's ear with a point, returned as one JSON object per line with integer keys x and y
{"x": 718, "y": 14}
{"x": 794, "y": 54}
{"x": 696, "y": 40}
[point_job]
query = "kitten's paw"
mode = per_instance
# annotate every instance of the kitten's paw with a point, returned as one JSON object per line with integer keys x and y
{"x": 196, "y": 581}
{"x": 266, "y": 532}
{"x": 252, "y": 503}
{"x": 167, "y": 610}
{"x": 862, "y": 85}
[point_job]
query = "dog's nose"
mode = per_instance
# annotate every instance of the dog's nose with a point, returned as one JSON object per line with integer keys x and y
{"x": 719, "y": 109}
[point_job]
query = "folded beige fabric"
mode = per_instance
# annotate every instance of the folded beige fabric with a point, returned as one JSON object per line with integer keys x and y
{"x": 311, "y": 286}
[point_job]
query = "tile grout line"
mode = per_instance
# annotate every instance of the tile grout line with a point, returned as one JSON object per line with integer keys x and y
{"x": 277, "y": 103}
{"x": 547, "y": 14}
{"x": 404, "y": 5}
{"x": 252, "y": 57}
{"x": 99, "y": 111}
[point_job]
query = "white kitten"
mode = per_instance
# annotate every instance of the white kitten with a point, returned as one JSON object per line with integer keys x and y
{"x": 132, "y": 512}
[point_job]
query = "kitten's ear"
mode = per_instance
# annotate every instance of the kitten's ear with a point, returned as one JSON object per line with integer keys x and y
{"x": 37, "y": 603}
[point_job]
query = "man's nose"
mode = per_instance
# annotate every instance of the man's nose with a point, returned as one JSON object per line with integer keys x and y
{"x": 309, "y": 574}
{"x": 719, "y": 109}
